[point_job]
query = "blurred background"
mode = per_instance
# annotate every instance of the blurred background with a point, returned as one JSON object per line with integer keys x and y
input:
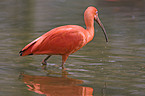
{"x": 116, "y": 68}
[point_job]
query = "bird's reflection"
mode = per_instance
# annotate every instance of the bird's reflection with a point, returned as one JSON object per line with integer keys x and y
{"x": 56, "y": 86}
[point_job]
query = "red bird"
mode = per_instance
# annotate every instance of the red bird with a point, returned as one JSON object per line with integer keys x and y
{"x": 65, "y": 40}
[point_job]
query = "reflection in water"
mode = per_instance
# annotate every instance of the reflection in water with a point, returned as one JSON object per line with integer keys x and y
{"x": 121, "y": 64}
{"x": 56, "y": 86}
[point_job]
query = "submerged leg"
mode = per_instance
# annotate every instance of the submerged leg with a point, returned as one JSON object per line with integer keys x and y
{"x": 64, "y": 58}
{"x": 44, "y": 60}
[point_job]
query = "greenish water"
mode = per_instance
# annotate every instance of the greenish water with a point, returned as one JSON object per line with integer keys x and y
{"x": 116, "y": 68}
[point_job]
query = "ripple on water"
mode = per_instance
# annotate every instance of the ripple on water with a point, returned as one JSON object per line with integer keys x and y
{"x": 77, "y": 69}
{"x": 139, "y": 85}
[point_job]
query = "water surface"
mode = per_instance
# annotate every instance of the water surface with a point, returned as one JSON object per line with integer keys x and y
{"x": 116, "y": 68}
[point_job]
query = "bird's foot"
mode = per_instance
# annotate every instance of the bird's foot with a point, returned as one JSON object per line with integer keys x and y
{"x": 44, "y": 65}
{"x": 63, "y": 68}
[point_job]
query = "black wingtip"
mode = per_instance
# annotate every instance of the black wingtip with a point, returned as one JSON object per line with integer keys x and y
{"x": 31, "y": 54}
{"x": 21, "y": 53}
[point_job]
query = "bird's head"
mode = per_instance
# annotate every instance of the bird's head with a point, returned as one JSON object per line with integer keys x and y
{"x": 93, "y": 13}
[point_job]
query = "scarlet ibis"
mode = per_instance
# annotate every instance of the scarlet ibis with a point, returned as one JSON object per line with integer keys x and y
{"x": 65, "y": 40}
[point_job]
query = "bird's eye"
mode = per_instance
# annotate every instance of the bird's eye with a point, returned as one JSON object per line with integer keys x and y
{"x": 96, "y": 12}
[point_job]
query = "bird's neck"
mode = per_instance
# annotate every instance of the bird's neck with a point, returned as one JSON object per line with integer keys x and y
{"x": 89, "y": 21}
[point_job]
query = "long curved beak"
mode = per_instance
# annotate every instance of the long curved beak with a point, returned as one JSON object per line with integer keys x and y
{"x": 102, "y": 27}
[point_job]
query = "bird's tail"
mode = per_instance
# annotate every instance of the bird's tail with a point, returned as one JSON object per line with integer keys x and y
{"x": 27, "y": 50}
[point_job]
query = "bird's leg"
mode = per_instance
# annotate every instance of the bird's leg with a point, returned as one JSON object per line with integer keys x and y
{"x": 44, "y": 63}
{"x": 64, "y": 58}
{"x": 44, "y": 60}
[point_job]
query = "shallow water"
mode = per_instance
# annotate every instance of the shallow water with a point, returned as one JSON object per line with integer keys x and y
{"x": 116, "y": 68}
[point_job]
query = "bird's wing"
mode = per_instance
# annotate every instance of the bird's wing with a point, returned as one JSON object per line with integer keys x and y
{"x": 59, "y": 41}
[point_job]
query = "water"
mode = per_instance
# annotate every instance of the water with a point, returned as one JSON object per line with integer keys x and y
{"x": 116, "y": 68}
